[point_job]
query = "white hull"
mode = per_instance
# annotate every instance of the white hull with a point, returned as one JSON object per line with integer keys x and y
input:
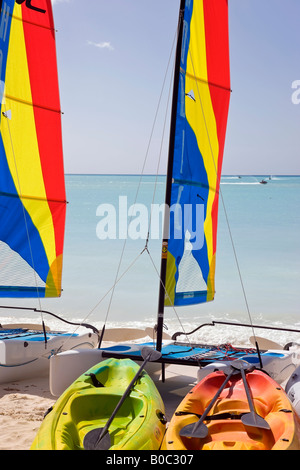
{"x": 292, "y": 390}
{"x": 277, "y": 363}
{"x": 28, "y": 356}
{"x": 66, "y": 367}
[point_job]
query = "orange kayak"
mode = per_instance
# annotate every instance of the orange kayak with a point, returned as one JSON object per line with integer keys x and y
{"x": 229, "y": 424}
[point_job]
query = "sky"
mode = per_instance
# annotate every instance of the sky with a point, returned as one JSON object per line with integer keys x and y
{"x": 112, "y": 60}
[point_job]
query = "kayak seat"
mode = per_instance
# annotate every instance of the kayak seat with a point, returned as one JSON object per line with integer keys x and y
{"x": 233, "y": 435}
{"x": 91, "y": 409}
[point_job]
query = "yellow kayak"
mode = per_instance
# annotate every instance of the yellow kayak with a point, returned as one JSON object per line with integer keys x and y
{"x": 87, "y": 405}
{"x": 212, "y": 418}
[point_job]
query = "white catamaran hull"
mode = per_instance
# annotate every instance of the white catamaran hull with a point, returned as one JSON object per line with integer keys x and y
{"x": 26, "y": 355}
{"x": 278, "y": 364}
{"x": 67, "y": 366}
{"x": 292, "y": 390}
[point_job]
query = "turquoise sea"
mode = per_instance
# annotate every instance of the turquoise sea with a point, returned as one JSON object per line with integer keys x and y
{"x": 264, "y": 221}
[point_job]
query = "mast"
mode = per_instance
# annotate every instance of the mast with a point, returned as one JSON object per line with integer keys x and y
{"x": 163, "y": 268}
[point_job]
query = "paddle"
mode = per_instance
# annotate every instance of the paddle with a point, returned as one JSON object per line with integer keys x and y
{"x": 99, "y": 439}
{"x": 252, "y": 418}
{"x": 199, "y": 429}
{"x": 264, "y": 343}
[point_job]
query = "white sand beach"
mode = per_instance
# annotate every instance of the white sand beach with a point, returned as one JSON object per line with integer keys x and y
{"x": 24, "y": 403}
{"x": 22, "y": 407}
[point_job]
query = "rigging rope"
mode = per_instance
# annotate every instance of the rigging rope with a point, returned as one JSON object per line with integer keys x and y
{"x": 118, "y": 277}
{"x": 23, "y": 209}
{"x": 223, "y": 201}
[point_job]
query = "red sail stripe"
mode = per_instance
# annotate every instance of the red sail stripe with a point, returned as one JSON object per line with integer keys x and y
{"x": 42, "y": 65}
{"x": 217, "y": 53}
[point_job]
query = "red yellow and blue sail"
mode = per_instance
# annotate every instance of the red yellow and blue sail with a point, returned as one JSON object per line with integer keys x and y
{"x": 201, "y": 119}
{"x": 32, "y": 187}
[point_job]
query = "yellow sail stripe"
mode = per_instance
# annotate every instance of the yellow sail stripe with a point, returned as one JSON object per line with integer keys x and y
{"x": 201, "y": 117}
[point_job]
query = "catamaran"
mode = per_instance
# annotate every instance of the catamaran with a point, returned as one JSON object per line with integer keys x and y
{"x": 201, "y": 95}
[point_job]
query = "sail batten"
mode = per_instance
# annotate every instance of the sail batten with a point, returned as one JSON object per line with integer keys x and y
{"x": 198, "y": 144}
{"x": 32, "y": 187}
{"x": 39, "y": 25}
{"x": 195, "y": 183}
{"x": 30, "y": 103}
{"x": 22, "y": 196}
{"x": 205, "y": 81}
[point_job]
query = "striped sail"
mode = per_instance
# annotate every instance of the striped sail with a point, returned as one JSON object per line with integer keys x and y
{"x": 201, "y": 119}
{"x": 32, "y": 187}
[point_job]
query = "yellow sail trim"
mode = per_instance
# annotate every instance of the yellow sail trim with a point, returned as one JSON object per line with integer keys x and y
{"x": 53, "y": 282}
{"x": 170, "y": 281}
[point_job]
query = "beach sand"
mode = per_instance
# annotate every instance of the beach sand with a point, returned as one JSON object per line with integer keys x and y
{"x": 22, "y": 408}
{"x": 24, "y": 403}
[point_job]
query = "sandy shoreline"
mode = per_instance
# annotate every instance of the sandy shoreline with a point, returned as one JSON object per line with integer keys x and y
{"x": 24, "y": 403}
{"x": 22, "y": 407}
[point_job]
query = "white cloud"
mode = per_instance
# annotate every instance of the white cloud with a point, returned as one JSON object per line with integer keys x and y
{"x": 54, "y": 2}
{"x": 101, "y": 45}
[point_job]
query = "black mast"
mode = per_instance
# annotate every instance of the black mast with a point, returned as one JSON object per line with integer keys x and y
{"x": 163, "y": 268}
